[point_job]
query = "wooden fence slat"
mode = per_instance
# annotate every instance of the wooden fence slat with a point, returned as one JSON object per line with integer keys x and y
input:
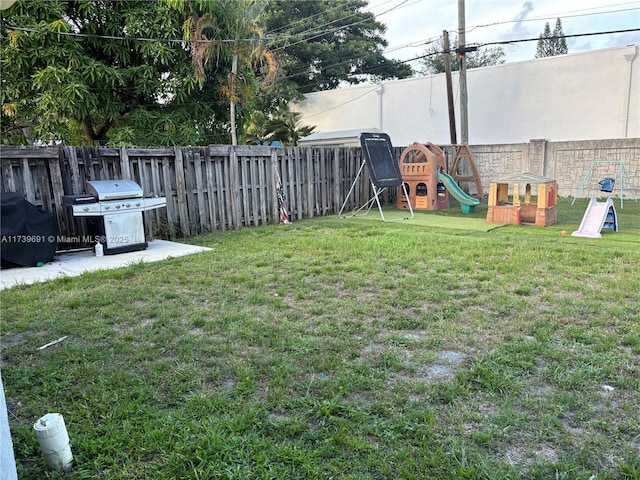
{"x": 271, "y": 187}
{"x": 234, "y": 188}
{"x": 172, "y": 215}
{"x": 298, "y": 179}
{"x": 74, "y": 168}
{"x": 255, "y": 191}
{"x": 310, "y": 178}
{"x": 28, "y": 181}
{"x": 17, "y": 153}
{"x": 220, "y": 194}
{"x": 157, "y": 190}
{"x": 8, "y": 180}
{"x": 246, "y": 186}
{"x": 181, "y": 195}
{"x": 338, "y": 192}
{"x": 43, "y": 186}
{"x": 324, "y": 181}
{"x": 211, "y": 190}
{"x": 58, "y": 191}
{"x": 287, "y": 179}
{"x": 202, "y": 209}
{"x": 125, "y": 166}
{"x": 189, "y": 177}
{"x": 264, "y": 189}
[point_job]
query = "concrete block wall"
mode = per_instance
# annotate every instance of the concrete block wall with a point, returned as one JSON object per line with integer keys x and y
{"x": 566, "y": 162}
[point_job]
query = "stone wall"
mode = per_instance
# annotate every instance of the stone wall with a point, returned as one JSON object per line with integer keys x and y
{"x": 567, "y": 162}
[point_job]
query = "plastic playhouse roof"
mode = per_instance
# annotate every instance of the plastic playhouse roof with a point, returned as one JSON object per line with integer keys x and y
{"x": 525, "y": 178}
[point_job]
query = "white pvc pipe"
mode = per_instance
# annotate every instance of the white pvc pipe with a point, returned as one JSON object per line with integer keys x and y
{"x": 54, "y": 441}
{"x": 7, "y": 459}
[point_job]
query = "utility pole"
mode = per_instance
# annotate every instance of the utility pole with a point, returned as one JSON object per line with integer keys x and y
{"x": 447, "y": 73}
{"x": 462, "y": 42}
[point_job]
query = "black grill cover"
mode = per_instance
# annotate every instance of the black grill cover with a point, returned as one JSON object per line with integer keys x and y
{"x": 29, "y": 235}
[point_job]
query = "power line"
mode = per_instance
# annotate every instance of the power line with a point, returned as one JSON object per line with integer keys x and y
{"x": 521, "y": 40}
{"x": 559, "y": 15}
{"x": 506, "y": 42}
{"x": 430, "y": 54}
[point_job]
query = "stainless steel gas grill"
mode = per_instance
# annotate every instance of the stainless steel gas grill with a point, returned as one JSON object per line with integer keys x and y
{"x": 120, "y": 204}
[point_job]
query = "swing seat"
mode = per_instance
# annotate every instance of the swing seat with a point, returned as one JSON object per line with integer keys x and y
{"x": 607, "y": 184}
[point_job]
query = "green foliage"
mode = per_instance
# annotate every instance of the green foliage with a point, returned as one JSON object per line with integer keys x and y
{"x": 64, "y": 74}
{"x": 320, "y": 44}
{"x": 433, "y": 63}
{"x": 550, "y": 44}
{"x": 283, "y": 126}
{"x": 116, "y": 73}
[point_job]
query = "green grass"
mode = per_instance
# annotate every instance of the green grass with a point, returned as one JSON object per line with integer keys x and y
{"x": 440, "y": 347}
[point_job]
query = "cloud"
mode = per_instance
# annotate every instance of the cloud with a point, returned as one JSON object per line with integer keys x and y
{"x": 519, "y": 27}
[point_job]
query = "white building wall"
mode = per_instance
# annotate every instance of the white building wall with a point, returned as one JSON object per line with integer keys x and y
{"x": 583, "y": 96}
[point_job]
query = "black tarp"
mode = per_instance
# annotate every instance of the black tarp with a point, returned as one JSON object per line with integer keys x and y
{"x": 29, "y": 235}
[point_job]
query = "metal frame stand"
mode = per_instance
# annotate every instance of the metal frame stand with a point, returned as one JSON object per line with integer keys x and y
{"x": 622, "y": 177}
{"x": 369, "y": 204}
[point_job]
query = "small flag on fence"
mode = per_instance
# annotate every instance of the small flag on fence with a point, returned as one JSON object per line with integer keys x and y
{"x": 284, "y": 215}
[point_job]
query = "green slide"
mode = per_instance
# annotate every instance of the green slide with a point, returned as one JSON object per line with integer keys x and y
{"x": 467, "y": 203}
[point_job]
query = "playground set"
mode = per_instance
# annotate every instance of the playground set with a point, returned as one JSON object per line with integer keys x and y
{"x": 419, "y": 176}
{"x": 422, "y": 184}
{"x": 601, "y": 215}
{"x": 426, "y": 185}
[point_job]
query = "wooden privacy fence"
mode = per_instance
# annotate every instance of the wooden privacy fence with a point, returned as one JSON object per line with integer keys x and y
{"x": 207, "y": 188}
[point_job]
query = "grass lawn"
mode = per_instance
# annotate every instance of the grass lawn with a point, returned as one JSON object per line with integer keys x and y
{"x": 441, "y": 347}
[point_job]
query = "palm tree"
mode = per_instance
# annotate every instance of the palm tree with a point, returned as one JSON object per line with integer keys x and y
{"x": 258, "y": 129}
{"x": 227, "y": 29}
{"x": 286, "y": 127}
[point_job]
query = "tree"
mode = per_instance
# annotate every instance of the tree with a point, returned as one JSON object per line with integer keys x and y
{"x": 75, "y": 71}
{"x": 119, "y": 72}
{"x": 433, "y": 61}
{"x": 550, "y": 44}
{"x": 322, "y": 43}
{"x": 228, "y": 29}
{"x": 284, "y": 127}
{"x": 258, "y": 129}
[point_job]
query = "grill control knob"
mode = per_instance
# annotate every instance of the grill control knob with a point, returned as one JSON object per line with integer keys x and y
{"x": 117, "y": 207}
{"x": 128, "y": 205}
{"x": 138, "y": 204}
{"x": 86, "y": 209}
{"x": 107, "y": 207}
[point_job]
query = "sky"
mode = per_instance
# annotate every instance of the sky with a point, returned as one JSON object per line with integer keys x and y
{"x": 411, "y": 24}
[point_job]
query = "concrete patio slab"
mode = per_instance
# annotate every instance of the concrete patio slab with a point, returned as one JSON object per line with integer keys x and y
{"x": 72, "y": 264}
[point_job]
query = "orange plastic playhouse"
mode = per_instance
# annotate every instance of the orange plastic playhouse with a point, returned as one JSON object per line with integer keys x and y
{"x": 428, "y": 186}
{"x": 515, "y": 211}
{"x": 420, "y": 165}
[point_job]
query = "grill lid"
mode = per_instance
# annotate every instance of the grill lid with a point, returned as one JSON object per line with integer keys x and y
{"x": 114, "y": 189}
